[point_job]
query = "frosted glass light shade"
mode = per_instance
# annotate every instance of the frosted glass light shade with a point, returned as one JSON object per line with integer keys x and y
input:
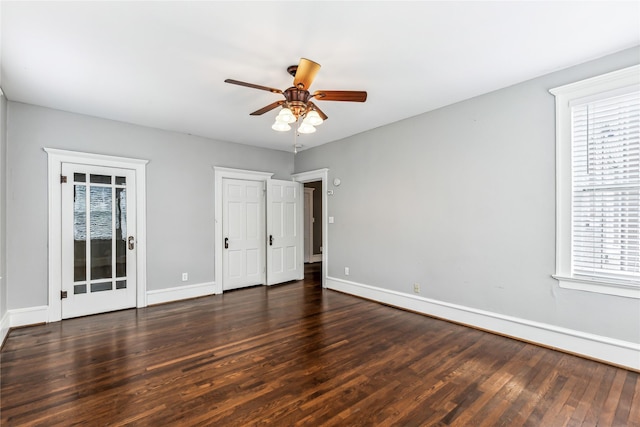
{"x": 281, "y": 126}
{"x": 286, "y": 116}
{"x": 306, "y": 128}
{"x": 313, "y": 118}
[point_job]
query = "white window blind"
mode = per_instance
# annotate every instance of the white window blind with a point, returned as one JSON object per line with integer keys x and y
{"x": 605, "y": 205}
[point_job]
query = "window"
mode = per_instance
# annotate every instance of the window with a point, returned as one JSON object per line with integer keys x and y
{"x": 598, "y": 184}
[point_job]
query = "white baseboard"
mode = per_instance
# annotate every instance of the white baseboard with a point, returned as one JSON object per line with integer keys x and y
{"x": 611, "y": 350}
{"x": 315, "y": 258}
{"x": 40, "y": 314}
{"x": 177, "y": 293}
{"x": 5, "y": 324}
{"x": 28, "y": 316}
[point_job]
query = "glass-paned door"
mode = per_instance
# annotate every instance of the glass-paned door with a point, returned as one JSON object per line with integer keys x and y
{"x": 98, "y": 239}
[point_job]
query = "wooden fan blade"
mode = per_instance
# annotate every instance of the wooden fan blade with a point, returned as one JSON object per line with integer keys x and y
{"x": 340, "y": 95}
{"x": 267, "y": 108}
{"x": 305, "y": 73}
{"x": 239, "y": 83}
{"x": 313, "y": 106}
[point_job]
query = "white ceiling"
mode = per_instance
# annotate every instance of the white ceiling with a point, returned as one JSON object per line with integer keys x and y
{"x": 163, "y": 64}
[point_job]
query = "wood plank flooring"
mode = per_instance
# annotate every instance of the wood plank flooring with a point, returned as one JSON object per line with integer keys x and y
{"x": 293, "y": 355}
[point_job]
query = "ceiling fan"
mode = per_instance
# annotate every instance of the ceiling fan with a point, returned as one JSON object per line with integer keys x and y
{"x": 297, "y": 99}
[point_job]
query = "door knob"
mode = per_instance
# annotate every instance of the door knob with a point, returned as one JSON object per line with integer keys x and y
{"x": 226, "y": 243}
{"x": 130, "y": 240}
{"x": 270, "y": 240}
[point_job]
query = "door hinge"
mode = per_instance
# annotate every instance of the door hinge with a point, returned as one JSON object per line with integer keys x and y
{"x": 63, "y": 294}
{"x": 63, "y": 179}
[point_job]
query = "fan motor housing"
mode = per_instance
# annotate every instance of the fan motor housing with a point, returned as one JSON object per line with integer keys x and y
{"x": 297, "y": 100}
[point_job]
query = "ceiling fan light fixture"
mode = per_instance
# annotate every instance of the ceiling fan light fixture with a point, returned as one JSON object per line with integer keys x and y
{"x": 280, "y": 126}
{"x": 286, "y": 116}
{"x": 306, "y": 128}
{"x": 313, "y": 118}
{"x": 297, "y": 108}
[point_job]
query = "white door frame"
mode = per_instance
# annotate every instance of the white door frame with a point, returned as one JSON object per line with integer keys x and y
{"x": 219, "y": 174}
{"x": 56, "y": 158}
{"x": 320, "y": 175}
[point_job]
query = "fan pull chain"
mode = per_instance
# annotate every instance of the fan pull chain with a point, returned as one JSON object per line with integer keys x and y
{"x": 295, "y": 138}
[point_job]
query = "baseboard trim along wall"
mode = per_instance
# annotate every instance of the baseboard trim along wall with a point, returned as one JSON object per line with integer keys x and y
{"x": 5, "y": 325}
{"x": 37, "y": 315}
{"x": 610, "y": 350}
{"x": 315, "y": 258}
{"x": 161, "y": 296}
{"x": 28, "y": 316}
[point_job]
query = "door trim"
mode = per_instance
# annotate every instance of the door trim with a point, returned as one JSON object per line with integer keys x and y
{"x": 221, "y": 173}
{"x": 55, "y": 160}
{"x": 320, "y": 175}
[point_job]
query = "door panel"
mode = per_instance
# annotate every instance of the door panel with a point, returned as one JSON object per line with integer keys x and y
{"x": 98, "y": 220}
{"x": 284, "y": 228}
{"x": 243, "y": 230}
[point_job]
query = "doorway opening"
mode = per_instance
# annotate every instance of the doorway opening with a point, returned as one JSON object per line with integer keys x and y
{"x": 321, "y": 176}
{"x": 313, "y": 222}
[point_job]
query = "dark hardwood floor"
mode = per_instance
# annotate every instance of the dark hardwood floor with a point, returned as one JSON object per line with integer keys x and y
{"x": 297, "y": 355}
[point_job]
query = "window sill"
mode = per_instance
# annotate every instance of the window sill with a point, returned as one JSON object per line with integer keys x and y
{"x": 622, "y": 289}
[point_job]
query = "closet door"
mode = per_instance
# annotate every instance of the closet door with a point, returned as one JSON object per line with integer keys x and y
{"x": 284, "y": 231}
{"x": 243, "y": 232}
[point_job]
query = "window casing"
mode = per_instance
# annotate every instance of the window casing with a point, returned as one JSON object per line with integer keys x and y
{"x": 598, "y": 184}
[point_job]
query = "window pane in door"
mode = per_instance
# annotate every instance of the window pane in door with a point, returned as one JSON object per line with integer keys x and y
{"x": 100, "y": 205}
{"x": 121, "y": 232}
{"x": 99, "y": 287}
{"x": 79, "y": 233}
{"x": 100, "y": 179}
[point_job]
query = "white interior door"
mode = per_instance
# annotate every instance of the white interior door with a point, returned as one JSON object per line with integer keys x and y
{"x": 285, "y": 231}
{"x": 98, "y": 239}
{"x": 243, "y": 233}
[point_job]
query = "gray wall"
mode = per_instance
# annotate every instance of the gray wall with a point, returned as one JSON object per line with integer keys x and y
{"x": 180, "y": 199}
{"x": 462, "y": 201}
{"x": 3, "y": 206}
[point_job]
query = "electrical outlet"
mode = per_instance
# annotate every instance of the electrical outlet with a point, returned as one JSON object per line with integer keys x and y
{"x": 416, "y": 288}
{"x": 185, "y": 277}
{"x": 346, "y": 271}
